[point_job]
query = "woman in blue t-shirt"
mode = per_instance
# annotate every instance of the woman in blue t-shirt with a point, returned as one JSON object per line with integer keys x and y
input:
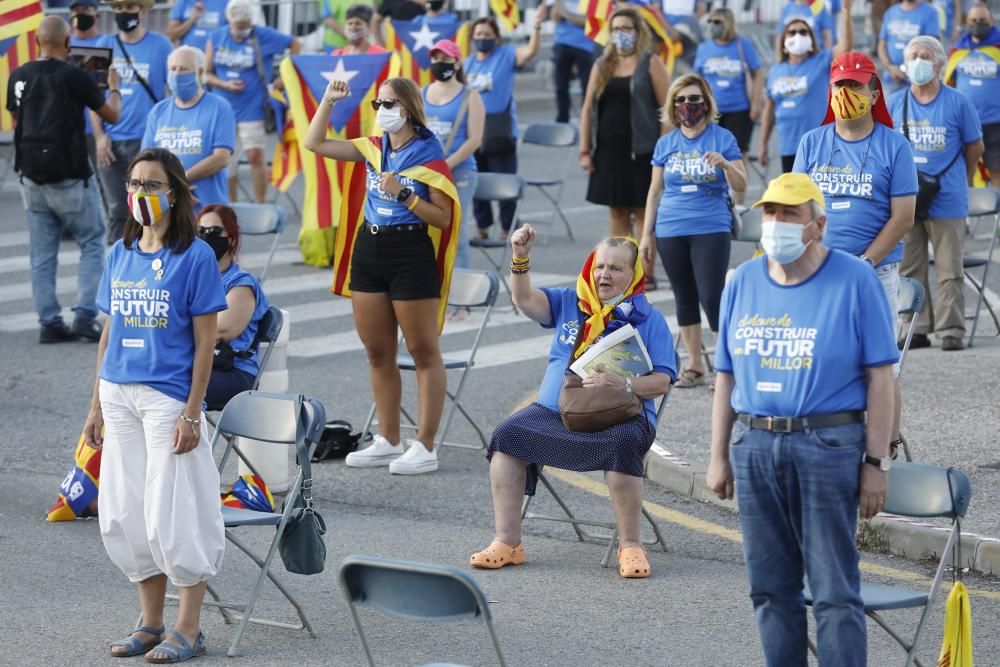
{"x": 159, "y": 502}
{"x": 447, "y": 101}
{"x": 795, "y": 100}
{"x": 236, "y": 363}
{"x": 395, "y": 282}
{"x": 688, "y": 216}
{"x": 490, "y": 71}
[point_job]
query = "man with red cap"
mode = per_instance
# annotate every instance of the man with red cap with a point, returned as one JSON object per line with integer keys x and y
{"x": 866, "y": 172}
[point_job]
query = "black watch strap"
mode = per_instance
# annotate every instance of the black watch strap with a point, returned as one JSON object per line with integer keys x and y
{"x": 404, "y": 194}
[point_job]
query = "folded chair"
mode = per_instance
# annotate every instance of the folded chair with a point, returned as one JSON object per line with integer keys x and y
{"x": 918, "y": 490}
{"x": 261, "y": 220}
{"x": 983, "y": 202}
{"x": 414, "y": 592}
{"x": 912, "y": 300}
{"x": 469, "y": 289}
{"x": 284, "y": 420}
{"x": 553, "y": 135}
{"x": 498, "y": 188}
{"x": 6, "y": 155}
{"x": 582, "y": 534}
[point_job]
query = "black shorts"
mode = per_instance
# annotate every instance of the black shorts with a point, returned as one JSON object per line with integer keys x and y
{"x": 398, "y": 262}
{"x": 991, "y": 140}
{"x": 739, "y": 123}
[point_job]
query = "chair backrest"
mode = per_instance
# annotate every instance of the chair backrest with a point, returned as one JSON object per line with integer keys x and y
{"x": 982, "y": 201}
{"x": 499, "y": 187}
{"x": 259, "y": 219}
{"x": 911, "y": 296}
{"x": 269, "y": 327}
{"x": 271, "y": 417}
{"x": 473, "y": 289}
{"x": 750, "y": 229}
{"x": 558, "y": 135}
{"x": 922, "y": 490}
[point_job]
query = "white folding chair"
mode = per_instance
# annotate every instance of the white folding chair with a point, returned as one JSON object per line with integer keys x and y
{"x": 552, "y": 135}
{"x": 923, "y": 491}
{"x": 498, "y": 188}
{"x": 983, "y": 202}
{"x": 284, "y": 420}
{"x": 473, "y": 290}
{"x": 261, "y": 220}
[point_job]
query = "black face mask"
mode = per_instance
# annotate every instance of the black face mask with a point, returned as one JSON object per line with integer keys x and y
{"x": 980, "y": 29}
{"x": 485, "y": 45}
{"x": 435, "y": 5}
{"x": 84, "y": 22}
{"x": 219, "y": 244}
{"x": 127, "y": 21}
{"x": 443, "y": 71}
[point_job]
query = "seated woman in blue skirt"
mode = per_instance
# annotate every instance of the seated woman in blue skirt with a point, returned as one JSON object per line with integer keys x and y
{"x": 608, "y": 296}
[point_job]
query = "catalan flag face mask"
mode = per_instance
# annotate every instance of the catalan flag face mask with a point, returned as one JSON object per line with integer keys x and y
{"x": 148, "y": 209}
{"x": 849, "y": 105}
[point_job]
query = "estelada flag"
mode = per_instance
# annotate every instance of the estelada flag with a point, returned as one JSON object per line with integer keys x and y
{"x": 658, "y": 25}
{"x": 508, "y": 15}
{"x": 79, "y": 489}
{"x": 433, "y": 173}
{"x": 412, "y": 41}
{"x": 19, "y": 19}
{"x": 286, "y": 164}
{"x": 597, "y": 13}
{"x": 305, "y": 79}
{"x": 956, "y": 645}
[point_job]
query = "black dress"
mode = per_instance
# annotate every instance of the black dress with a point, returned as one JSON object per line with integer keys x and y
{"x": 619, "y": 179}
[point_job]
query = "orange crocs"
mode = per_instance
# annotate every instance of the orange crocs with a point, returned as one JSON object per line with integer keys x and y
{"x": 632, "y": 563}
{"x": 497, "y": 555}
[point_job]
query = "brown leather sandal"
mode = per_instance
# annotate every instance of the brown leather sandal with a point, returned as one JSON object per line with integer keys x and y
{"x": 632, "y": 563}
{"x": 498, "y": 555}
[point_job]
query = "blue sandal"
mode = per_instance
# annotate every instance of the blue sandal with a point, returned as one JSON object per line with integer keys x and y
{"x": 134, "y": 646}
{"x": 178, "y": 650}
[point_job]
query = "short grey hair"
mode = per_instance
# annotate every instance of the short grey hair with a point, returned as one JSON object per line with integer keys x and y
{"x": 933, "y": 44}
{"x": 195, "y": 52}
{"x": 238, "y": 10}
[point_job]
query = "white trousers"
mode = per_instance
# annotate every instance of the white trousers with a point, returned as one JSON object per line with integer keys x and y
{"x": 160, "y": 512}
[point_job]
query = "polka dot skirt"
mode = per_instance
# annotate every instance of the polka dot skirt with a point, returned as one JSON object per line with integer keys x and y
{"x": 537, "y": 436}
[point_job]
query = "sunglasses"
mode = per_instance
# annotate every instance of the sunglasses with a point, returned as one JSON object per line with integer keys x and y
{"x": 149, "y": 187}
{"x": 388, "y": 104}
{"x": 800, "y": 31}
{"x": 209, "y": 232}
{"x": 693, "y": 99}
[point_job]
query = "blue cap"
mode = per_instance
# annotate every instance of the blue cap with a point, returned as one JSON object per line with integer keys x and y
{"x": 83, "y": 3}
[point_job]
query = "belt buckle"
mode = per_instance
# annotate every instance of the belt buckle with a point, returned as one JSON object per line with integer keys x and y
{"x": 779, "y": 424}
{"x": 373, "y": 229}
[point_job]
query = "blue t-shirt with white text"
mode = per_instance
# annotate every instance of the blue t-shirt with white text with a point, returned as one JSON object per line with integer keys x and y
{"x": 381, "y": 208}
{"x": 938, "y": 133}
{"x": 802, "y": 350}
{"x": 234, "y": 60}
{"x": 149, "y": 59}
{"x": 150, "y": 300}
{"x": 493, "y": 79}
{"x": 232, "y": 277}
{"x": 213, "y": 17}
{"x": 818, "y": 22}
{"x": 900, "y": 26}
{"x": 695, "y": 196}
{"x": 725, "y": 67}
{"x": 859, "y": 179}
{"x": 799, "y": 93}
{"x": 976, "y": 78}
{"x": 192, "y": 135}
{"x": 565, "y": 313}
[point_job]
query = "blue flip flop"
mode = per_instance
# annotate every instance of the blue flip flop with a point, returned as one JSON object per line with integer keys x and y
{"x": 133, "y": 645}
{"x": 179, "y": 649}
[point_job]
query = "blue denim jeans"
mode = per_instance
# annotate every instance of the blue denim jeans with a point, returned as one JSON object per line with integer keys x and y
{"x": 798, "y": 500}
{"x": 75, "y": 206}
{"x": 465, "y": 183}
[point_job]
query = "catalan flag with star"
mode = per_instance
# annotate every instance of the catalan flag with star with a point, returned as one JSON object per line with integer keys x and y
{"x": 597, "y": 13}
{"x": 434, "y": 173}
{"x": 79, "y": 489}
{"x": 19, "y": 19}
{"x": 658, "y": 24}
{"x": 411, "y": 41}
{"x": 326, "y": 185}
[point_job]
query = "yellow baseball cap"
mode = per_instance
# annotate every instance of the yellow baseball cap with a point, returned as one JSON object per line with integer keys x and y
{"x": 791, "y": 190}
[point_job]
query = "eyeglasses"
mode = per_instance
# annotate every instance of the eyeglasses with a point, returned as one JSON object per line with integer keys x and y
{"x": 800, "y": 31}
{"x": 209, "y": 232}
{"x": 388, "y": 104}
{"x": 715, "y": 21}
{"x": 693, "y": 99}
{"x": 149, "y": 186}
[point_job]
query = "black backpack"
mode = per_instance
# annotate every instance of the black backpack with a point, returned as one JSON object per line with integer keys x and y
{"x": 48, "y": 139}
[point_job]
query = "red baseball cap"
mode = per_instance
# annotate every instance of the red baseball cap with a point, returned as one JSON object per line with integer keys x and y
{"x": 447, "y": 47}
{"x": 855, "y": 66}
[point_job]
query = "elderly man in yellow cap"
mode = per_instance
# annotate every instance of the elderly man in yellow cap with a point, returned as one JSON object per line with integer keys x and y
{"x": 801, "y": 423}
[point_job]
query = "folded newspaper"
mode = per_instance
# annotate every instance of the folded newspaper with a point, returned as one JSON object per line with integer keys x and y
{"x": 622, "y": 351}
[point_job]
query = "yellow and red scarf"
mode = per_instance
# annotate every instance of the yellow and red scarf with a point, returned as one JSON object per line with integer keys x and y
{"x": 597, "y": 313}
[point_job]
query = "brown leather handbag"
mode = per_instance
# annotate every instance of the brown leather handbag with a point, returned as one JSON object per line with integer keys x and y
{"x": 592, "y": 409}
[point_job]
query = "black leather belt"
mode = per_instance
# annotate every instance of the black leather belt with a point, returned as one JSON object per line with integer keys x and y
{"x": 792, "y": 424}
{"x": 375, "y": 230}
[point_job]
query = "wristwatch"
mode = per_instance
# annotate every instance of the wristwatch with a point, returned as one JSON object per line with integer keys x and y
{"x": 881, "y": 464}
{"x": 404, "y": 194}
{"x": 868, "y": 260}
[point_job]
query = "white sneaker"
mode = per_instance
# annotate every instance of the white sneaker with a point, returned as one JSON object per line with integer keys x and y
{"x": 415, "y": 461}
{"x": 379, "y": 453}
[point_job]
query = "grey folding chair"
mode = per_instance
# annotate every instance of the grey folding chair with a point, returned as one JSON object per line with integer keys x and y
{"x": 6, "y": 155}
{"x": 498, "y": 188}
{"x": 584, "y": 535}
{"x": 283, "y": 420}
{"x": 983, "y": 202}
{"x": 261, "y": 220}
{"x": 414, "y": 592}
{"x": 552, "y": 135}
{"x": 278, "y": 194}
{"x": 923, "y": 491}
{"x": 911, "y": 303}
{"x": 752, "y": 219}
{"x": 473, "y": 290}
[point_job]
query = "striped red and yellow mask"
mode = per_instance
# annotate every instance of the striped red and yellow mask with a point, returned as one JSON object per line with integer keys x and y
{"x": 148, "y": 208}
{"x": 849, "y": 105}
{"x": 597, "y": 312}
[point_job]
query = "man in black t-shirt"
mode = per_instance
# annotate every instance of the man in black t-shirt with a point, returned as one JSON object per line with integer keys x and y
{"x": 397, "y": 10}
{"x": 47, "y": 98}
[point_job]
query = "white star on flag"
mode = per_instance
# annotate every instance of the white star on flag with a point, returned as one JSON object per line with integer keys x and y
{"x": 423, "y": 38}
{"x": 339, "y": 73}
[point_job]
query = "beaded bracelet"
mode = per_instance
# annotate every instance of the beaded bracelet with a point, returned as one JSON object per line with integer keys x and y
{"x": 519, "y": 266}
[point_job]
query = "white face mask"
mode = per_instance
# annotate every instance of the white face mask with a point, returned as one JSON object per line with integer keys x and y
{"x": 782, "y": 241}
{"x": 390, "y": 120}
{"x": 798, "y": 45}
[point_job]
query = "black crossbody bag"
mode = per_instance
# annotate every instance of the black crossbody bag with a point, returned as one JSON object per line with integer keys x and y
{"x": 135, "y": 72}
{"x": 270, "y": 119}
{"x": 928, "y": 185}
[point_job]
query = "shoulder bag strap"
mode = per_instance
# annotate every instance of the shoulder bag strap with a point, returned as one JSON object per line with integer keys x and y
{"x": 302, "y": 452}
{"x": 135, "y": 72}
{"x": 747, "y": 80}
{"x": 463, "y": 110}
{"x": 259, "y": 57}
